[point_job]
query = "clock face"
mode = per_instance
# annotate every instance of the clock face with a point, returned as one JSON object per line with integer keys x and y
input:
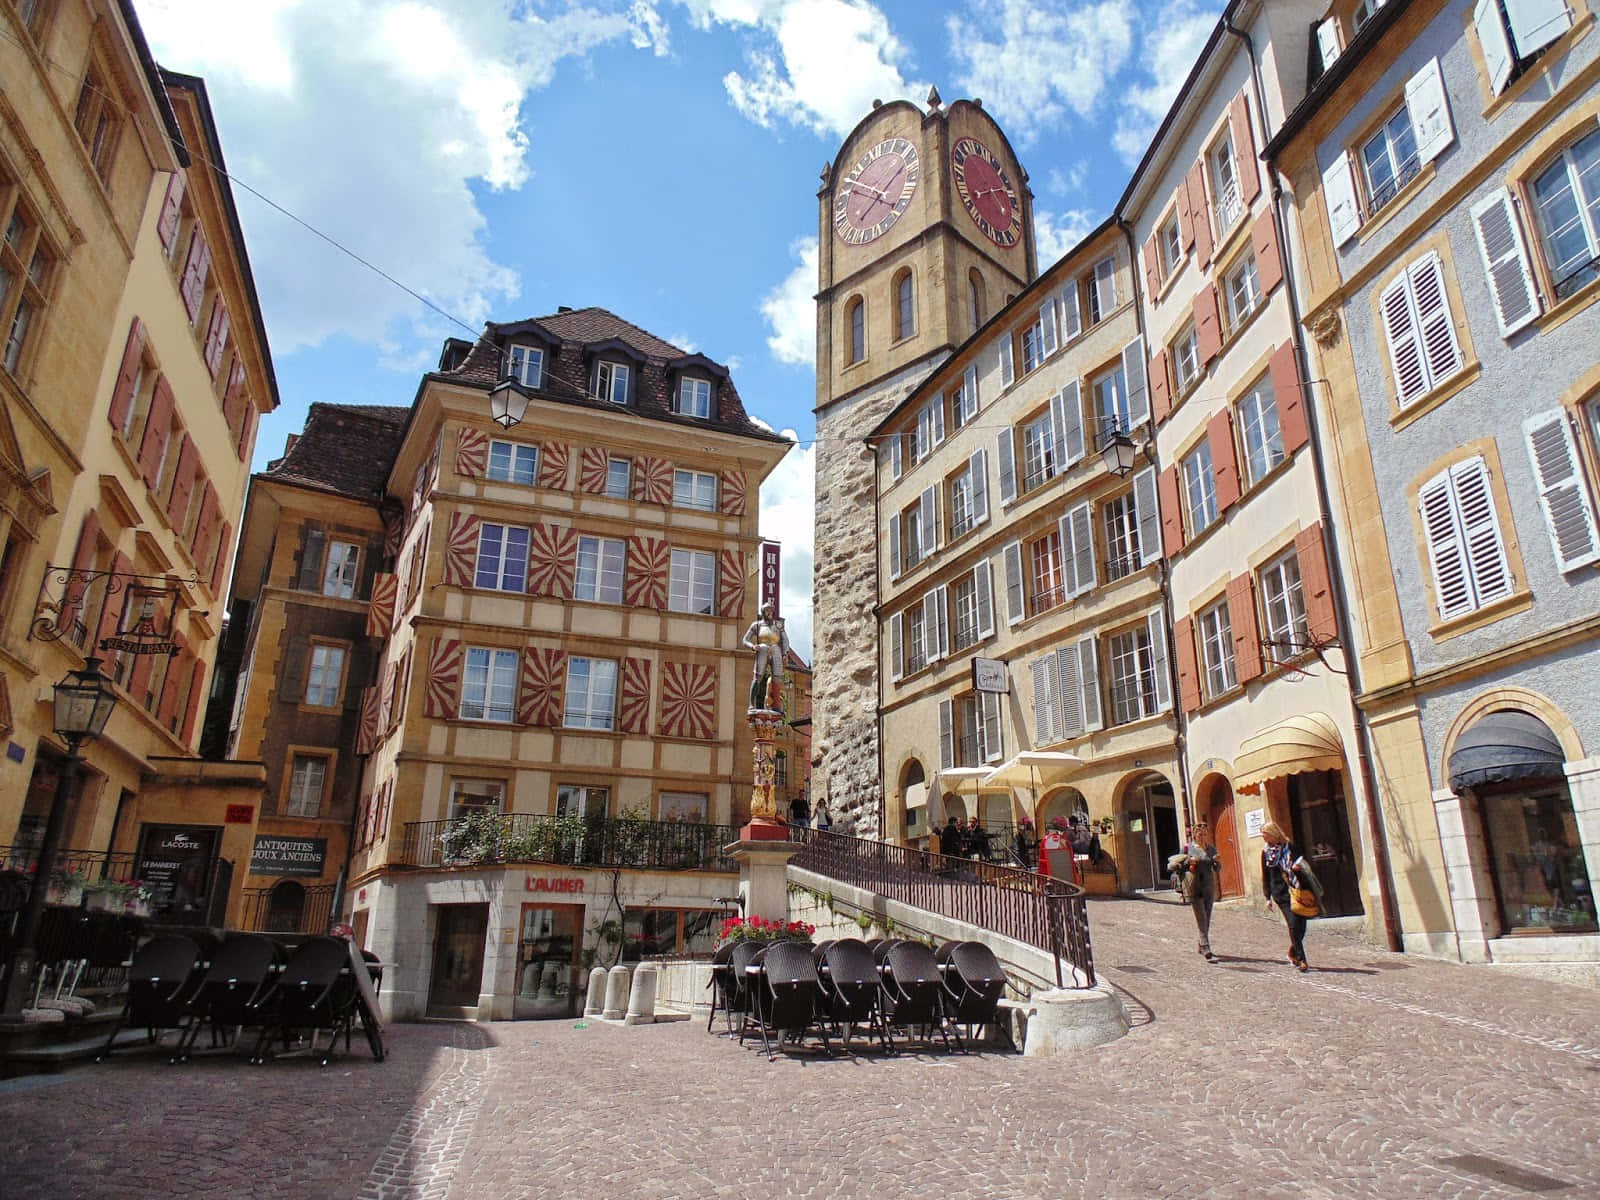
{"x": 981, "y": 182}
{"x": 878, "y": 189}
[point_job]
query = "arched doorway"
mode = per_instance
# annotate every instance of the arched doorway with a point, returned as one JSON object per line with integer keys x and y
{"x": 1214, "y": 802}
{"x": 914, "y": 799}
{"x": 1062, "y": 803}
{"x": 1147, "y": 831}
{"x": 285, "y": 906}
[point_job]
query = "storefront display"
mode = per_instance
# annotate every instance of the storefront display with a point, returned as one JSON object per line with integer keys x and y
{"x": 1541, "y": 877}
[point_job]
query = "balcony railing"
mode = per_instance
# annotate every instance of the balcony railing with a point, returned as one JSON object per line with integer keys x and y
{"x": 84, "y": 864}
{"x": 494, "y": 838}
{"x": 1585, "y": 274}
{"x": 1384, "y": 192}
{"x": 311, "y": 915}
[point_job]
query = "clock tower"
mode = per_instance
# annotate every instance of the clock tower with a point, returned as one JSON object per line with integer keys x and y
{"x": 925, "y": 230}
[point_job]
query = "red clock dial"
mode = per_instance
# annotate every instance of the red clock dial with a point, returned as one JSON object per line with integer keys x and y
{"x": 981, "y": 183}
{"x": 877, "y": 190}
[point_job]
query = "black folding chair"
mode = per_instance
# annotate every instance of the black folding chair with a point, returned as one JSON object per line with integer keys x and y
{"x": 229, "y": 994}
{"x": 157, "y": 978}
{"x": 850, "y": 990}
{"x": 313, "y": 992}
{"x": 786, "y": 995}
{"x": 974, "y": 982}
{"x": 913, "y": 993}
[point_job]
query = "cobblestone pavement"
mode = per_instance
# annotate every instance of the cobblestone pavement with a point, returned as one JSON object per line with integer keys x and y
{"x": 1374, "y": 1075}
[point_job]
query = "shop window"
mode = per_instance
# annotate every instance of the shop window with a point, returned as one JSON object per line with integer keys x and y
{"x": 1536, "y": 855}
{"x": 656, "y": 932}
{"x": 690, "y": 807}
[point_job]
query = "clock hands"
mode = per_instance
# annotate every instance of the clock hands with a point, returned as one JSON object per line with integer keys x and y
{"x": 854, "y": 184}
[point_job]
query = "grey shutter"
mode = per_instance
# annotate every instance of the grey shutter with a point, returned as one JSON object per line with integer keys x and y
{"x": 292, "y": 671}
{"x": 1105, "y": 285}
{"x": 1505, "y": 259}
{"x": 1430, "y": 111}
{"x": 1069, "y": 560}
{"x": 937, "y": 405}
{"x": 896, "y": 464}
{"x": 1069, "y": 694}
{"x": 1089, "y": 678}
{"x": 311, "y": 551}
{"x": 1157, "y": 631}
{"x": 969, "y": 393}
{"x": 941, "y": 605}
{"x": 1133, "y": 370}
{"x": 1071, "y": 320}
{"x": 993, "y": 740}
{"x": 894, "y": 546}
{"x": 930, "y": 627}
{"x": 1044, "y": 699}
{"x": 978, "y": 472}
{"x": 1071, "y": 445}
{"x": 1568, "y": 511}
{"x": 1339, "y": 193}
{"x": 1536, "y": 23}
{"x": 1081, "y": 520}
{"x": 1497, "y": 56}
{"x": 1328, "y": 42}
{"x": 897, "y": 655}
{"x": 1013, "y": 560}
{"x": 1008, "y": 370}
{"x": 1047, "y": 324}
{"x": 947, "y": 754}
{"x": 1147, "y": 510}
{"x": 983, "y": 590}
{"x": 1008, "y": 469}
{"x": 928, "y": 518}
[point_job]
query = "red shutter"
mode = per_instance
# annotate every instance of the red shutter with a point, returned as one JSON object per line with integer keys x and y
{"x": 1200, "y": 211}
{"x": 1242, "y": 616}
{"x": 445, "y": 659}
{"x": 196, "y": 268}
{"x": 402, "y": 689}
{"x": 1160, "y": 385}
{"x": 1269, "y": 262}
{"x": 381, "y": 608}
{"x": 183, "y": 478}
{"x": 367, "y": 731}
{"x": 688, "y": 700}
{"x": 541, "y": 689}
{"x": 247, "y": 430}
{"x": 176, "y": 665}
{"x": 644, "y": 582}
{"x": 552, "y": 560}
{"x": 1171, "y": 512}
{"x": 1224, "y": 461}
{"x": 171, "y": 212}
{"x": 461, "y": 550}
{"x": 1207, "y": 324}
{"x": 634, "y": 716}
{"x": 1152, "y": 268}
{"x": 197, "y": 698}
{"x": 652, "y": 480}
{"x": 1316, "y": 585}
{"x": 139, "y": 679}
{"x": 204, "y": 548}
{"x": 383, "y": 809}
{"x": 1244, "y": 149}
{"x": 553, "y": 458}
{"x": 122, "y": 397}
{"x": 593, "y": 464}
{"x": 216, "y": 336}
{"x": 1290, "y": 396}
{"x": 111, "y": 617}
{"x": 1188, "y": 664}
{"x": 1185, "y": 215}
{"x": 385, "y": 691}
{"x": 730, "y": 583}
{"x": 219, "y": 568}
{"x": 733, "y": 493}
{"x": 472, "y": 453}
{"x": 157, "y": 429}
{"x": 77, "y": 582}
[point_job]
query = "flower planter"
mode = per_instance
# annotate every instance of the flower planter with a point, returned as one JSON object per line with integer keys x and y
{"x": 137, "y": 908}
{"x": 103, "y": 902}
{"x": 66, "y": 895}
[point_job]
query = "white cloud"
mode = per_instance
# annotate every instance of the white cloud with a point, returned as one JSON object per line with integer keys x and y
{"x": 791, "y": 309}
{"x": 1034, "y": 63}
{"x": 1056, "y": 233}
{"x": 1172, "y": 40}
{"x": 1068, "y": 181}
{"x": 818, "y": 64}
{"x": 787, "y": 517}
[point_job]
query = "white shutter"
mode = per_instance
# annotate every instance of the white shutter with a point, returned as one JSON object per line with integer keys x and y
{"x": 989, "y": 729}
{"x": 1156, "y": 629}
{"x": 983, "y": 591}
{"x": 947, "y": 749}
{"x": 1568, "y": 510}
{"x": 1067, "y": 304}
{"x": 897, "y": 654}
{"x": 928, "y": 519}
{"x": 930, "y": 626}
{"x": 1044, "y": 700}
{"x": 978, "y": 473}
{"x": 894, "y": 546}
{"x": 1339, "y": 193}
{"x": 1047, "y": 322}
{"x": 969, "y": 394}
{"x": 1069, "y": 694}
{"x": 1133, "y": 370}
{"x": 937, "y": 407}
{"x": 1008, "y": 370}
{"x": 1536, "y": 23}
{"x": 1148, "y": 511}
{"x": 942, "y": 627}
{"x": 1069, "y": 561}
{"x": 1505, "y": 259}
{"x": 1013, "y": 560}
{"x": 922, "y": 440}
{"x": 1089, "y": 679}
{"x": 1328, "y": 42}
{"x": 1480, "y": 530}
{"x": 1008, "y": 468}
{"x": 1434, "y": 326}
{"x": 1405, "y": 346}
{"x": 1070, "y": 447}
{"x": 1446, "y": 557}
{"x": 1430, "y": 112}
{"x": 1082, "y": 522}
{"x": 896, "y": 467}
{"x": 1105, "y": 285}
{"x": 1492, "y": 40}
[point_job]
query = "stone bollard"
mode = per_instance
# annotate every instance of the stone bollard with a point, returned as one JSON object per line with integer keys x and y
{"x": 642, "y": 1000}
{"x": 616, "y": 994}
{"x": 530, "y": 979}
{"x": 547, "y": 981}
{"x": 597, "y": 993}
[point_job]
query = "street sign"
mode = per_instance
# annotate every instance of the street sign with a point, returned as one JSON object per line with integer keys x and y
{"x": 989, "y": 675}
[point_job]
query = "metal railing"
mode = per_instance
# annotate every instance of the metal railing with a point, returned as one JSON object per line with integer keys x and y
{"x": 496, "y": 838}
{"x": 84, "y": 864}
{"x": 257, "y": 914}
{"x": 1583, "y": 275}
{"x": 1037, "y": 910}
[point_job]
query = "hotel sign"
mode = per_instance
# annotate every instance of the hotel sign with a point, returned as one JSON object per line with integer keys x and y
{"x": 770, "y": 552}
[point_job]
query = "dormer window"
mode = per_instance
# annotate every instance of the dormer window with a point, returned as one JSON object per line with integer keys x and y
{"x": 611, "y": 382}
{"x": 525, "y": 364}
{"x": 694, "y": 398}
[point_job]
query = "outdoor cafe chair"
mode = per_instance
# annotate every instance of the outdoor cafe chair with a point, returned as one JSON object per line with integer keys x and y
{"x": 914, "y": 994}
{"x": 157, "y": 978}
{"x": 229, "y": 994}
{"x": 310, "y": 994}
{"x": 975, "y": 982}
{"x": 785, "y": 994}
{"x": 744, "y": 953}
{"x": 722, "y": 984}
{"x": 850, "y": 990}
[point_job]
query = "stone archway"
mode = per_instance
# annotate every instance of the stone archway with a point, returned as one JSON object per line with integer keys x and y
{"x": 914, "y": 798}
{"x": 1062, "y": 802}
{"x": 286, "y": 904}
{"x": 1214, "y": 800}
{"x": 1148, "y": 831}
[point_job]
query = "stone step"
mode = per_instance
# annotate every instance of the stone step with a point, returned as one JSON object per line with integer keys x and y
{"x": 54, "y": 1056}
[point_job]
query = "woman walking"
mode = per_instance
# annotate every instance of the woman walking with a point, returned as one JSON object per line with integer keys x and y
{"x": 1283, "y": 871}
{"x": 1200, "y": 882}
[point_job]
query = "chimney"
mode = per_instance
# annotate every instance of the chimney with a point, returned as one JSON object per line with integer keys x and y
{"x": 288, "y": 447}
{"x": 563, "y": 308}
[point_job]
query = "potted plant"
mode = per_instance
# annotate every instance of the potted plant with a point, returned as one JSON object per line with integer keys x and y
{"x": 65, "y": 886}
{"x": 764, "y": 929}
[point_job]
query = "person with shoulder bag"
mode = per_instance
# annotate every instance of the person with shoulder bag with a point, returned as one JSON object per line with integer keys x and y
{"x": 1290, "y": 886}
{"x": 1200, "y": 881}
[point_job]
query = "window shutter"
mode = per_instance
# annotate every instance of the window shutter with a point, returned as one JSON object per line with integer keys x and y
{"x": 1316, "y": 586}
{"x": 1069, "y": 560}
{"x": 897, "y": 651}
{"x": 1185, "y": 215}
{"x": 1082, "y": 521}
{"x": 1171, "y": 513}
{"x": 1071, "y": 319}
{"x": 1568, "y": 509}
{"x": 1160, "y": 385}
{"x": 922, "y": 437}
{"x": 983, "y": 592}
{"x": 204, "y": 548}
{"x": 1188, "y": 664}
{"x": 1244, "y": 149}
{"x": 1148, "y": 515}
{"x": 1328, "y": 42}
{"x": 1105, "y": 285}
{"x": 122, "y": 396}
{"x": 1480, "y": 529}
{"x": 171, "y": 212}
{"x": 1047, "y": 323}
{"x": 1536, "y": 23}
{"x": 1089, "y": 680}
{"x": 969, "y": 393}
{"x": 1437, "y": 330}
{"x": 1452, "y": 590}
{"x": 1430, "y": 112}
{"x": 234, "y": 400}
{"x": 1044, "y": 699}
{"x": 1246, "y": 641}
{"x": 1008, "y": 470}
{"x": 552, "y": 559}
{"x": 1152, "y": 267}
{"x": 894, "y": 546}
{"x": 1200, "y": 210}
{"x": 1496, "y": 46}
{"x": 442, "y": 699}
{"x": 1269, "y": 261}
{"x": 554, "y": 456}
{"x": 594, "y": 468}
{"x": 157, "y": 429}
{"x": 196, "y": 269}
{"x": 219, "y": 567}
{"x": 1072, "y": 438}
{"x": 216, "y": 336}
{"x": 246, "y": 431}
{"x": 1013, "y": 562}
{"x": 896, "y": 463}
{"x": 1008, "y": 370}
{"x": 978, "y": 473}
{"x": 1339, "y": 193}
{"x": 1224, "y": 464}
{"x": 929, "y": 519}
{"x": 1207, "y": 324}
{"x": 182, "y": 484}
{"x": 461, "y": 549}
{"x": 1069, "y": 694}
{"x": 941, "y": 622}
{"x": 1156, "y": 630}
{"x": 937, "y": 407}
{"x": 312, "y": 542}
{"x": 930, "y": 627}
{"x": 1505, "y": 259}
{"x": 472, "y": 453}
{"x": 1133, "y": 373}
{"x": 645, "y": 573}
{"x": 82, "y": 560}
{"x": 1284, "y": 372}
{"x": 989, "y": 728}
{"x": 947, "y": 756}
{"x": 1405, "y": 346}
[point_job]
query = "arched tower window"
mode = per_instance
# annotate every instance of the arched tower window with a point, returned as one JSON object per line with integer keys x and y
{"x": 975, "y": 300}
{"x": 905, "y": 309}
{"x": 855, "y": 315}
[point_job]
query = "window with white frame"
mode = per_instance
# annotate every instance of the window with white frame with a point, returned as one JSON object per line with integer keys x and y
{"x": 694, "y": 489}
{"x": 1111, "y": 413}
{"x": 1216, "y": 649}
{"x": 1045, "y": 572}
{"x": 916, "y": 642}
{"x": 502, "y": 557}
{"x": 1134, "y": 695}
{"x": 25, "y": 267}
{"x": 1513, "y": 33}
{"x": 1033, "y": 345}
{"x": 905, "y": 312}
{"x": 1243, "y": 288}
{"x": 324, "y": 675}
{"x": 930, "y": 429}
{"x": 960, "y": 503}
{"x": 1119, "y": 519}
{"x": 1225, "y": 183}
{"x": 915, "y": 540}
{"x": 340, "y": 575}
{"x": 591, "y": 693}
{"x": 1101, "y": 287}
{"x": 1199, "y": 489}
{"x": 1424, "y": 351}
{"x": 600, "y": 566}
{"x": 856, "y": 321}
{"x": 964, "y": 606}
{"x": 1283, "y": 607}
{"x": 964, "y": 399}
{"x": 1566, "y": 205}
{"x": 619, "y": 478}
{"x": 1389, "y": 159}
{"x": 692, "y": 582}
{"x": 1257, "y": 420}
{"x": 1466, "y": 550}
{"x": 611, "y": 382}
{"x": 525, "y": 364}
{"x": 489, "y": 684}
{"x": 694, "y": 398}
{"x": 1169, "y": 239}
{"x": 469, "y": 797}
{"x": 1186, "y": 359}
{"x": 970, "y": 731}
{"x": 1039, "y": 456}
{"x": 578, "y": 800}
{"x": 308, "y": 774}
{"x": 513, "y": 462}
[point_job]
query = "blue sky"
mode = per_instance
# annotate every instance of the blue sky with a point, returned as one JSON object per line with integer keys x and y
{"x": 659, "y": 158}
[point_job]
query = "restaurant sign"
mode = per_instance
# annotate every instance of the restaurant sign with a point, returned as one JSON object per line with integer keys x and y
{"x": 288, "y": 856}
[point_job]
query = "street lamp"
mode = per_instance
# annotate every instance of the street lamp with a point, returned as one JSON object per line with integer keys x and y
{"x": 507, "y": 403}
{"x": 1118, "y": 453}
{"x": 84, "y": 701}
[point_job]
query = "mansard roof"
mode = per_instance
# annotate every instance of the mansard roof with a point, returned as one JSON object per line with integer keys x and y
{"x": 347, "y": 449}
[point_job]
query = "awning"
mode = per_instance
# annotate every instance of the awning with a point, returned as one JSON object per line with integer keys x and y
{"x": 1306, "y": 742}
{"x": 953, "y": 779}
{"x": 1033, "y": 769}
{"x": 1502, "y": 747}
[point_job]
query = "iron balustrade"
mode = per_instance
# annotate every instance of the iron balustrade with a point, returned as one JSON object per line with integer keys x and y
{"x": 1037, "y": 910}
{"x": 86, "y": 865}
{"x": 502, "y": 838}
{"x": 257, "y": 913}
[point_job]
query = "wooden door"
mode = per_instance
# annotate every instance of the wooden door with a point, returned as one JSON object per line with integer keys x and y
{"x": 1225, "y": 828}
{"x": 458, "y": 955}
{"x": 1322, "y": 832}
